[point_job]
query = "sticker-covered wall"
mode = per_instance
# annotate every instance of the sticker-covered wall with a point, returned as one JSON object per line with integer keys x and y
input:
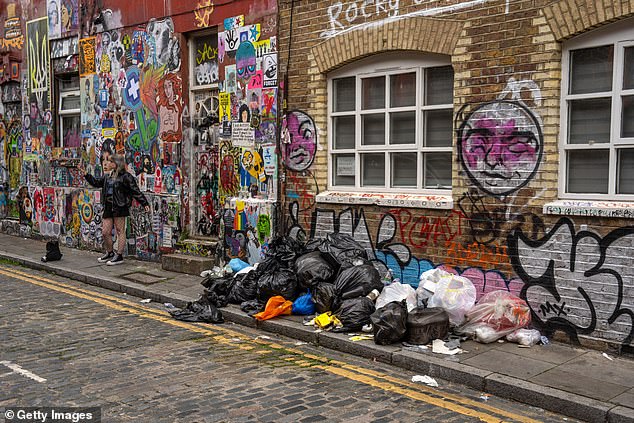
{"x": 493, "y": 211}
{"x": 187, "y": 93}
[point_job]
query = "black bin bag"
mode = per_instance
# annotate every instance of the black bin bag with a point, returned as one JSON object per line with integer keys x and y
{"x": 426, "y": 324}
{"x": 245, "y": 288}
{"x": 313, "y": 269}
{"x": 198, "y": 311}
{"x": 354, "y": 314}
{"x": 389, "y": 323}
{"x": 323, "y": 296}
{"x": 357, "y": 281}
{"x": 281, "y": 282}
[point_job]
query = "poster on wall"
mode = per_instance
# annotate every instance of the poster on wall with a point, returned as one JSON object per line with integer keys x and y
{"x": 54, "y": 18}
{"x": 242, "y": 134}
{"x": 39, "y": 84}
{"x": 206, "y": 57}
{"x": 87, "y": 48}
{"x": 269, "y": 70}
{"x": 225, "y": 106}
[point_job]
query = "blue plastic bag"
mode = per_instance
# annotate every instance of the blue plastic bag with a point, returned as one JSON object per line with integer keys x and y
{"x": 304, "y": 305}
{"x": 237, "y": 265}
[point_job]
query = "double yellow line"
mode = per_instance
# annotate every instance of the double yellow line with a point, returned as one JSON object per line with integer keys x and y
{"x": 228, "y": 336}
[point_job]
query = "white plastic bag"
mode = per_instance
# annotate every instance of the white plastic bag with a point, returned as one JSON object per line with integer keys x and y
{"x": 398, "y": 292}
{"x": 427, "y": 285}
{"x": 456, "y": 295}
{"x": 527, "y": 337}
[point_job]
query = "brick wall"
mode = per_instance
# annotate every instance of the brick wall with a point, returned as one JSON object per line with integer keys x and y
{"x": 504, "y": 54}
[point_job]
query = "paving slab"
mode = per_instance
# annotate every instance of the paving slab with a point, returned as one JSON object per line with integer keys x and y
{"x": 551, "y": 353}
{"x": 143, "y": 278}
{"x": 621, "y": 415}
{"x": 509, "y": 364}
{"x": 579, "y": 384}
{"x": 593, "y": 364}
{"x": 626, "y": 399}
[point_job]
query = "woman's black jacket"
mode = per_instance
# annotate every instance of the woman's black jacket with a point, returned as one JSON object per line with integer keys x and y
{"x": 125, "y": 189}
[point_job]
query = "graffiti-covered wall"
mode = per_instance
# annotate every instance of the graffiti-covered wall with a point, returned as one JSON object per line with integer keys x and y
{"x": 187, "y": 93}
{"x": 501, "y": 222}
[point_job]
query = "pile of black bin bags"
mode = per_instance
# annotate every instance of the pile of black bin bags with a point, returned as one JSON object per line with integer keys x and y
{"x": 337, "y": 273}
{"x": 335, "y": 270}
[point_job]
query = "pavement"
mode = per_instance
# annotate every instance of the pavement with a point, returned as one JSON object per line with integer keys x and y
{"x": 577, "y": 382}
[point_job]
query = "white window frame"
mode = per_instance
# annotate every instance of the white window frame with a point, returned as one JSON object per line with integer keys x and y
{"x": 386, "y": 65}
{"x": 620, "y": 35}
{"x": 62, "y": 113}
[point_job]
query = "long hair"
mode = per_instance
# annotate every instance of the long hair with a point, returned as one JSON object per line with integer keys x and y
{"x": 120, "y": 165}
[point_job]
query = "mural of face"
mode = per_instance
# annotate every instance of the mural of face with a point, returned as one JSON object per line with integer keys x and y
{"x": 500, "y": 146}
{"x": 245, "y": 62}
{"x": 299, "y": 135}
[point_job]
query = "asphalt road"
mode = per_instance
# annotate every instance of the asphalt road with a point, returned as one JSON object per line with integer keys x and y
{"x": 66, "y": 344}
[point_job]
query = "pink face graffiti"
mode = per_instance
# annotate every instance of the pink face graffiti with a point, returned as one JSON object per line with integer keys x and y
{"x": 299, "y": 135}
{"x": 500, "y": 147}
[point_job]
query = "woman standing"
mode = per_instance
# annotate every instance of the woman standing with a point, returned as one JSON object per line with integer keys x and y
{"x": 118, "y": 188}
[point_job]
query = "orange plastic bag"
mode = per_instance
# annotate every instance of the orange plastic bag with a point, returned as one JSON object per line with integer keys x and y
{"x": 275, "y": 306}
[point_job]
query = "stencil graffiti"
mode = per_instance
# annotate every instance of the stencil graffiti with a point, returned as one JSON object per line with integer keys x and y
{"x": 299, "y": 138}
{"x": 500, "y": 146}
{"x": 578, "y": 282}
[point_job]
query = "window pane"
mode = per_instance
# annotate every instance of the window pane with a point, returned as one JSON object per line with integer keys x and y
{"x": 206, "y": 61}
{"x": 373, "y": 129}
{"x": 344, "y": 169}
{"x": 403, "y": 90}
{"x": 438, "y": 128}
{"x": 628, "y": 72}
{"x": 439, "y": 85}
{"x": 68, "y": 82}
{"x": 589, "y": 121}
{"x": 344, "y": 95}
{"x": 71, "y": 102}
{"x": 588, "y": 171}
{"x": 437, "y": 170}
{"x": 71, "y": 131}
{"x": 404, "y": 169}
{"x": 591, "y": 70}
{"x": 343, "y": 132}
{"x": 374, "y": 93}
{"x": 627, "y": 120}
{"x": 403, "y": 128}
{"x": 373, "y": 169}
{"x": 625, "y": 183}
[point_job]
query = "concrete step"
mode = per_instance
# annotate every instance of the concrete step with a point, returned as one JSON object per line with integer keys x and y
{"x": 185, "y": 263}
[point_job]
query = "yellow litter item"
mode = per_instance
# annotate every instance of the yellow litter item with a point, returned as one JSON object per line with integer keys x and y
{"x": 326, "y": 319}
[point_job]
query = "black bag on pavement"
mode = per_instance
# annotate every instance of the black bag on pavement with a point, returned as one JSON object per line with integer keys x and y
{"x": 340, "y": 250}
{"x": 323, "y": 296}
{"x": 252, "y": 307}
{"x": 357, "y": 281}
{"x": 245, "y": 288}
{"x": 313, "y": 269}
{"x": 389, "y": 323}
{"x": 354, "y": 314}
{"x": 52, "y": 252}
{"x": 281, "y": 282}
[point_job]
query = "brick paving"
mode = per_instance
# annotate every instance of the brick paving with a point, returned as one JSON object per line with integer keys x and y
{"x": 140, "y": 370}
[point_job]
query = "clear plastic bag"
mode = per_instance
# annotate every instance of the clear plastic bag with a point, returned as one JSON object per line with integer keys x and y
{"x": 497, "y": 314}
{"x": 456, "y": 295}
{"x": 427, "y": 285}
{"x": 527, "y": 337}
{"x": 397, "y": 292}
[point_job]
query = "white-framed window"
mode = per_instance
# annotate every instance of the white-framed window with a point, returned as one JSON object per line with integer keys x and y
{"x": 391, "y": 124}
{"x": 597, "y": 120}
{"x": 68, "y": 110}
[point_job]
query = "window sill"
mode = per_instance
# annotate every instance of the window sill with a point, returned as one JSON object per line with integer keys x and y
{"x": 443, "y": 202}
{"x": 614, "y": 209}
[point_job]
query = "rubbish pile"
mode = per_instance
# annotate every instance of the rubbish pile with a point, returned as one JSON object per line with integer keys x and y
{"x": 332, "y": 281}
